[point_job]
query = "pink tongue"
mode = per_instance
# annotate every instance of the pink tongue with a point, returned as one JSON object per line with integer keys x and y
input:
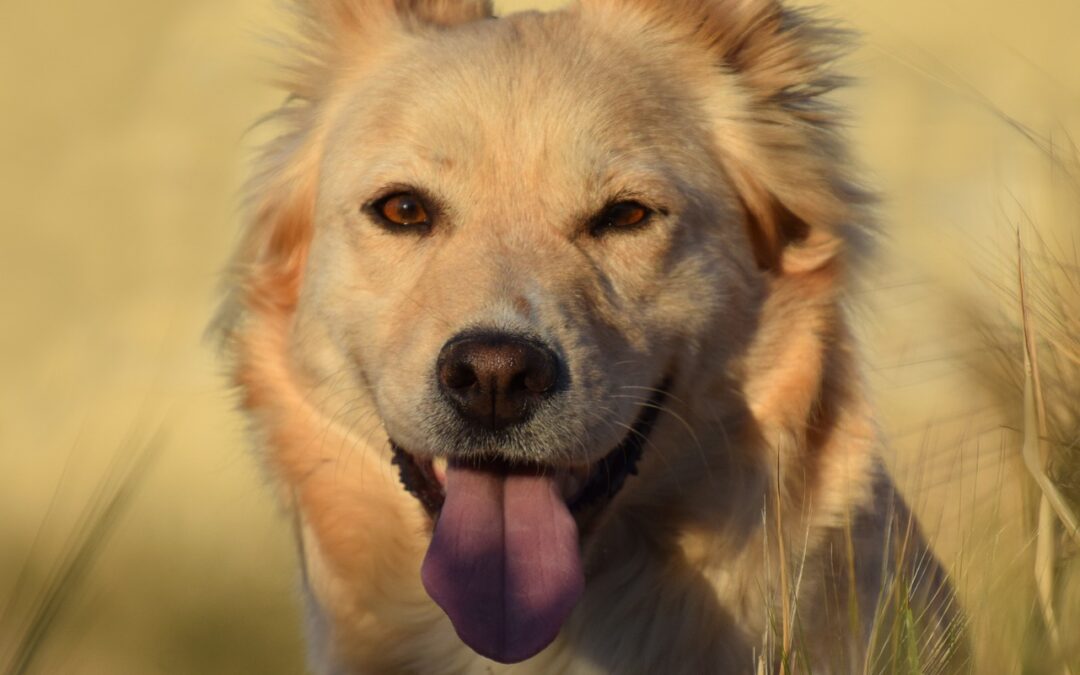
{"x": 503, "y": 562}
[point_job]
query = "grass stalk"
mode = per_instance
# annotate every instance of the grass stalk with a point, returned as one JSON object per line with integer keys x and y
{"x": 1035, "y": 459}
{"x": 785, "y": 599}
{"x": 90, "y": 535}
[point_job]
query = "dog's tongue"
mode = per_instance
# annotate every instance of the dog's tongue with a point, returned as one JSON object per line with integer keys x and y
{"x": 504, "y": 562}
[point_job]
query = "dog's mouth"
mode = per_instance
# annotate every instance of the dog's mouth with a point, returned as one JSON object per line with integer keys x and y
{"x": 585, "y": 489}
{"x": 504, "y": 561}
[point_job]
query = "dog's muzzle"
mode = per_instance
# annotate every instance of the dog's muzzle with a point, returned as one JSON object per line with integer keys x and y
{"x": 504, "y": 561}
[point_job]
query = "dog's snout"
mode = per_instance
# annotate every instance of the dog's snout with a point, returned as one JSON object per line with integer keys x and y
{"x": 495, "y": 380}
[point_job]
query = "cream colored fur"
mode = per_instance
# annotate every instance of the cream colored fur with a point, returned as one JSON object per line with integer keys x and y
{"x": 761, "y": 520}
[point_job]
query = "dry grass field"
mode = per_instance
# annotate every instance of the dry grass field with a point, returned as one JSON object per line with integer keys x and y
{"x": 136, "y": 535}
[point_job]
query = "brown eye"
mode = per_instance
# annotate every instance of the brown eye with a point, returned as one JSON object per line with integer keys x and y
{"x": 621, "y": 216}
{"x": 402, "y": 210}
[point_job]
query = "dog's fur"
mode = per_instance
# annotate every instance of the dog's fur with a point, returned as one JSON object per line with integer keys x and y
{"x": 761, "y": 522}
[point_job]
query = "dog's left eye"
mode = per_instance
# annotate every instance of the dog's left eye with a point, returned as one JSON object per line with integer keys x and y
{"x": 621, "y": 216}
{"x": 403, "y": 210}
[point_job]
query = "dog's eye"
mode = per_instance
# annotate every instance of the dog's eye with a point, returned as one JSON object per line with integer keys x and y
{"x": 403, "y": 210}
{"x": 621, "y": 216}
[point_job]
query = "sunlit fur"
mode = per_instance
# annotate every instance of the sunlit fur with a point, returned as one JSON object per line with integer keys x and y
{"x": 761, "y": 519}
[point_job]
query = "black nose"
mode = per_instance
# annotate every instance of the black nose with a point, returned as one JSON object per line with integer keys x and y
{"x": 496, "y": 380}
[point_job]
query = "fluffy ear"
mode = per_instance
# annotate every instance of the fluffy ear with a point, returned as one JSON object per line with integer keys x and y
{"x": 771, "y": 69}
{"x": 440, "y": 12}
{"x": 351, "y": 19}
{"x": 339, "y": 32}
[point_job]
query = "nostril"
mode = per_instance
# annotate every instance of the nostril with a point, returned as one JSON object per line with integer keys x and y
{"x": 457, "y": 375}
{"x": 539, "y": 376}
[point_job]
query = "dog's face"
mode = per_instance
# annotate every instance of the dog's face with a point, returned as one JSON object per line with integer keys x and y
{"x": 516, "y": 236}
{"x": 524, "y": 235}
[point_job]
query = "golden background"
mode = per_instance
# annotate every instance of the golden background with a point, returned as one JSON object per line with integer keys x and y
{"x": 124, "y": 140}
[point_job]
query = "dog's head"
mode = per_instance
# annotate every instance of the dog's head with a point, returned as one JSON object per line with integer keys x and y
{"x": 513, "y": 241}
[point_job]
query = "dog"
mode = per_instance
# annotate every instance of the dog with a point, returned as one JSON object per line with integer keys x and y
{"x": 540, "y": 324}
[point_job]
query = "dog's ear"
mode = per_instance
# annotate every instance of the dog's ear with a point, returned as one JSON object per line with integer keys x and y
{"x": 339, "y": 34}
{"x": 352, "y": 13}
{"x": 767, "y": 72}
{"x": 339, "y": 22}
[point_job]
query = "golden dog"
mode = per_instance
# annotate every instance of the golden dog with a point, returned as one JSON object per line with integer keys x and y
{"x": 539, "y": 321}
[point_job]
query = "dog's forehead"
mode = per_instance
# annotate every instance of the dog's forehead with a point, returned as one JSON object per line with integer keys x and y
{"x": 532, "y": 67}
{"x": 530, "y": 97}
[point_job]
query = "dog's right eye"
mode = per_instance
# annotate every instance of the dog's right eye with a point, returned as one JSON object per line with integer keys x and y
{"x": 625, "y": 215}
{"x": 403, "y": 210}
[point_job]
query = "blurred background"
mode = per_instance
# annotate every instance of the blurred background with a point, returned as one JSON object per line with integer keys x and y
{"x": 136, "y": 532}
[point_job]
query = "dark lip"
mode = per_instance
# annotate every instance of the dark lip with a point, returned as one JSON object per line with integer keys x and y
{"x": 607, "y": 476}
